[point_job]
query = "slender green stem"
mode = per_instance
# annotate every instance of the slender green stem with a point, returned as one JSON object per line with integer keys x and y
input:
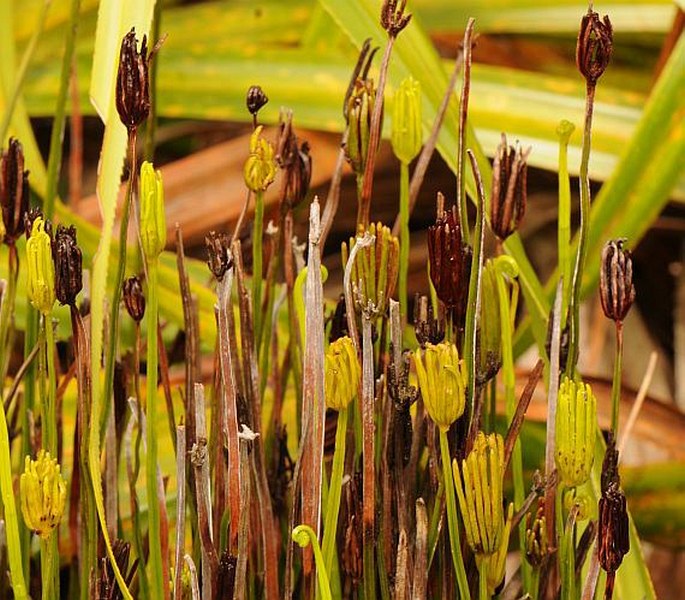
{"x": 151, "y": 122}
{"x": 11, "y": 521}
{"x": 452, "y": 520}
{"x": 510, "y": 396}
{"x": 23, "y": 68}
{"x": 333, "y": 505}
{"x": 57, "y": 134}
{"x": 534, "y": 584}
{"x": 583, "y": 232}
{"x": 48, "y": 554}
{"x": 568, "y": 556}
{"x": 404, "y": 237}
{"x": 616, "y": 385}
{"x": 111, "y": 349}
{"x": 30, "y": 339}
{"x": 483, "y": 579}
{"x": 155, "y": 559}
{"x": 257, "y": 233}
{"x": 564, "y": 131}
{"x": 51, "y": 575}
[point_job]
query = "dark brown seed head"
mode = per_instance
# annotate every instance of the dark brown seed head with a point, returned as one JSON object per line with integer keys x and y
{"x": 450, "y": 263}
{"x": 14, "y": 191}
{"x": 68, "y": 265}
{"x": 616, "y": 289}
{"x": 218, "y": 253}
{"x": 226, "y": 576}
{"x": 295, "y": 161}
{"x": 255, "y": 99}
{"x": 134, "y": 299}
{"x": 610, "y": 474}
{"x": 613, "y": 536}
{"x": 339, "y": 321}
{"x": 509, "y": 188}
{"x": 594, "y": 47}
{"x": 393, "y": 19}
{"x": 536, "y": 535}
{"x": 30, "y": 216}
{"x": 133, "y": 87}
{"x": 427, "y": 328}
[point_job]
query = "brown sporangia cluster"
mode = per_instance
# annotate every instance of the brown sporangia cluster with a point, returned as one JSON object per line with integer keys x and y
{"x": 255, "y": 100}
{"x": 616, "y": 289}
{"x": 450, "y": 263}
{"x": 134, "y": 299}
{"x": 295, "y": 161}
{"x": 133, "y": 82}
{"x": 427, "y": 327}
{"x": 509, "y": 189}
{"x": 68, "y": 265}
{"x": 218, "y": 253}
{"x": 393, "y": 18}
{"x": 594, "y": 47}
{"x": 14, "y": 191}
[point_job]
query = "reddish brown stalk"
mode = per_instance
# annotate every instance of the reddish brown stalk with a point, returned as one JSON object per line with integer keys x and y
{"x": 374, "y": 138}
{"x": 180, "y": 509}
{"x": 251, "y": 376}
{"x": 227, "y": 417}
{"x": 200, "y": 462}
{"x": 333, "y": 197}
{"x": 190, "y": 324}
{"x": 463, "y": 112}
{"x": 521, "y": 408}
{"x": 166, "y": 385}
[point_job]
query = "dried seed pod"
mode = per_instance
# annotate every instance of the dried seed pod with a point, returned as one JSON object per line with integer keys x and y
{"x": 298, "y": 177}
{"x": 426, "y": 327}
{"x": 616, "y": 289}
{"x": 14, "y": 191}
{"x": 68, "y": 265}
{"x": 450, "y": 263}
{"x": 613, "y": 535}
{"x": 594, "y": 47}
{"x": 442, "y": 380}
{"x": 255, "y": 99}
{"x": 509, "y": 188}
{"x": 393, "y": 19}
{"x": 134, "y": 299}
{"x": 610, "y": 465}
{"x": 218, "y": 253}
{"x": 576, "y": 428}
{"x": 133, "y": 86}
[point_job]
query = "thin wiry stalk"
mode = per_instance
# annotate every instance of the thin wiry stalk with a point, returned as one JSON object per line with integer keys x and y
{"x": 461, "y": 149}
{"x": 180, "y": 508}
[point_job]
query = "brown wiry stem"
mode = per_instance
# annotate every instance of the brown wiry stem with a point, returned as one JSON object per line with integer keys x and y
{"x": 461, "y": 149}
{"x": 374, "y": 138}
{"x": 228, "y": 410}
{"x": 521, "y": 408}
{"x": 180, "y": 508}
{"x": 333, "y": 197}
